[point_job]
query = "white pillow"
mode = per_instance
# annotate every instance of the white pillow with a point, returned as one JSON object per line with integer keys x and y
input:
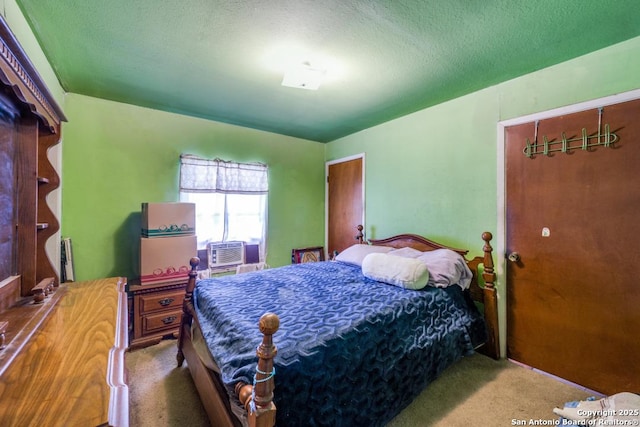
{"x": 408, "y": 273}
{"x": 446, "y": 268}
{"x": 356, "y": 253}
{"x": 406, "y": 252}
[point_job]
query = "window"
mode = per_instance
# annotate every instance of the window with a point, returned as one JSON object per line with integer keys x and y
{"x": 230, "y": 198}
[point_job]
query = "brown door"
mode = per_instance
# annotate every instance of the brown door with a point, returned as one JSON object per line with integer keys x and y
{"x": 344, "y": 203}
{"x": 573, "y": 296}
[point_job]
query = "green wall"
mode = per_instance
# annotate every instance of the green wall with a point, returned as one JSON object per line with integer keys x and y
{"x": 423, "y": 169}
{"x": 116, "y": 156}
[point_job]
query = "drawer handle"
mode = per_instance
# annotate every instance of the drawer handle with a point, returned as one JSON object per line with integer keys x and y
{"x": 165, "y": 301}
{"x": 169, "y": 320}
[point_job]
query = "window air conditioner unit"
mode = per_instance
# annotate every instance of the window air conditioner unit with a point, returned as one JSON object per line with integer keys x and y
{"x": 225, "y": 254}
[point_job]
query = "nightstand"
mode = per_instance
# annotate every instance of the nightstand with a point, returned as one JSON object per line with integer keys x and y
{"x": 157, "y": 311}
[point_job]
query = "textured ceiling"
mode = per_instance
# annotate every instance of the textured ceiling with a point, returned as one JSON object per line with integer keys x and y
{"x": 224, "y": 60}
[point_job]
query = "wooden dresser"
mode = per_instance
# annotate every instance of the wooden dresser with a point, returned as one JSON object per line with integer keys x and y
{"x": 64, "y": 365}
{"x": 157, "y": 311}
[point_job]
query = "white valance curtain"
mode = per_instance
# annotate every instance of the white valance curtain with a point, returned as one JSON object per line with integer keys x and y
{"x": 198, "y": 175}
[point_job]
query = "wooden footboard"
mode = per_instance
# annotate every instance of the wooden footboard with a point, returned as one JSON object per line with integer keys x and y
{"x": 257, "y": 399}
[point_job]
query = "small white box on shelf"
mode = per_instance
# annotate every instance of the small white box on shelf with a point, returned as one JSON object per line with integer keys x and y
{"x": 166, "y": 259}
{"x": 168, "y": 219}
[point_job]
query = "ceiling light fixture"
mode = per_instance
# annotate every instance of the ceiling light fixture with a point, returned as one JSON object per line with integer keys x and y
{"x": 303, "y": 76}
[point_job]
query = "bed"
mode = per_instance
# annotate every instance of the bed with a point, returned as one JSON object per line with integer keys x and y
{"x": 353, "y": 348}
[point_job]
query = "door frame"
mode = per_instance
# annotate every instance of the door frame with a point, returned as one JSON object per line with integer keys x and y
{"x": 326, "y": 192}
{"x": 501, "y": 226}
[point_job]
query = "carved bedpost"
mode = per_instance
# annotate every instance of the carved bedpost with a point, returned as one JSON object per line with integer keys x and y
{"x": 187, "y": 306}
{"x": 360, "y": 235}
{"x": 490, "y": 298}
{"x": 258, "y": 400}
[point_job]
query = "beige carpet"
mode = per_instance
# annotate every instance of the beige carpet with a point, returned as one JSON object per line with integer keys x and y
{"x": 160, "y": 393}
{"x": 475, "y": 391}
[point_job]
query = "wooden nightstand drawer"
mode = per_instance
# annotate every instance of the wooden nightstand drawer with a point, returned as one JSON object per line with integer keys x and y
{"x": 159, "y": 321}
{"x": 157, "y": 312}
{"x": 161, "y": 301}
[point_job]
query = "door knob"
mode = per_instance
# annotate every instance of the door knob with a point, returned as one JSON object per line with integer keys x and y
{"x": 514, "y": 257}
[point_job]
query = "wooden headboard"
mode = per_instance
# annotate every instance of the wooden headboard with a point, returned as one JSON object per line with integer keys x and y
{"x": 416, "y": 242}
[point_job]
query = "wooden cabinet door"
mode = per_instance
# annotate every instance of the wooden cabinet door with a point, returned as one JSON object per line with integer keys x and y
{"x": 572, "y": 217}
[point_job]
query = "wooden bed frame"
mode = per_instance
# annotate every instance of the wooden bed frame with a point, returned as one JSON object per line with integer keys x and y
{"x": 258, "y": 401}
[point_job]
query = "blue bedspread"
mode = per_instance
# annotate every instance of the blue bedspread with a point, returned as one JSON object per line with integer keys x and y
{"x": 351, "y": 351}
